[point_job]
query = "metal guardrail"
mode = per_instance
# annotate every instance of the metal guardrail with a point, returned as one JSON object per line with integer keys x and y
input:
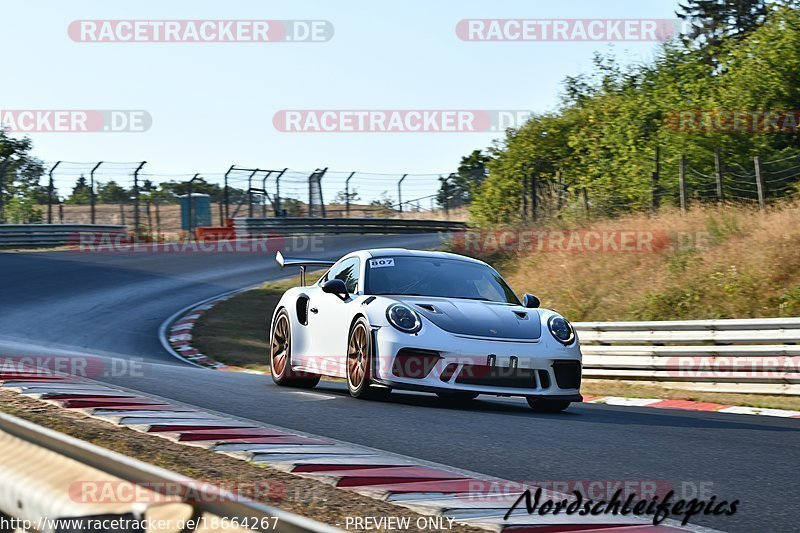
{"x": 31, "y": 235}
{"x": 741, "y": 355}
{"x": 41, "y": 472}
{"x": 260, "y": 227}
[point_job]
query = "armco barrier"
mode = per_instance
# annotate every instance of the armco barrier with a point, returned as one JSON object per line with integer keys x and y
{"x": 741, "y": 355}
{"x": 259, "y": 227}
{"x": 44, "y": 235}
{"x": 41, "y": 470}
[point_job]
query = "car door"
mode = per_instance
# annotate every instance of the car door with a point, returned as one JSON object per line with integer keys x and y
{"x": 330, "y": 316}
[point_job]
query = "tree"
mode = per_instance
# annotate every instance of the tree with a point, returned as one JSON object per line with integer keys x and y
{"x": 81, "y": 192}
{"x": 111, "y": 193}
{"x": 291, "y": 207}
{"x": 384, "y": 201}
{"x": 342, "y": 197}
{"x": 21, "y": 173}
{"x": 713, "y": 21}
{"x": 602, "y": 138}
{"x": 457, "y": 189}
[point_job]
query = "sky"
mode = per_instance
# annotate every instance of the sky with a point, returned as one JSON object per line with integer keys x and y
{"x": 212, "y": 104}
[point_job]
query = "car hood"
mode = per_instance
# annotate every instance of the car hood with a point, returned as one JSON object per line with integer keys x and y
{"x": 478, "y": 318}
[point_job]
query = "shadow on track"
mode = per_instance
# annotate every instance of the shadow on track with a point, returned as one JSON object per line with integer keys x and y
{"x": 577, "y": 413}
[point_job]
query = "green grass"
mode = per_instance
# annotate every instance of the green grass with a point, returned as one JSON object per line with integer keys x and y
{"x": 236, "y": 331}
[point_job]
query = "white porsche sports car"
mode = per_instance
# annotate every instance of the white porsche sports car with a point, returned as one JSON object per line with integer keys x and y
{"x": 436, "y": 322}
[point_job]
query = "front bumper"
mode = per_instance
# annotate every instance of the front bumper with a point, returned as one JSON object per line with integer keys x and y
{"x": 445, "y": 362}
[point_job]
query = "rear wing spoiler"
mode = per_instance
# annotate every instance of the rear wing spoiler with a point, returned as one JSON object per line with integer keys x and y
{"x": 302, "y": 263}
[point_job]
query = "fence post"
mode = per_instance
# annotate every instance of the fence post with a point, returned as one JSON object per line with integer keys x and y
{"x": 264, "y": 193}
{"x": 92, "y": 197}
{"x": 50, "y": 190}
{"x": 315, "y": 185}
{"x": 446, "y": 187}
{"x": 718, "y": 175}
{"x": 278, "y": 212}
{"x": 524, "y": 213}
{"x": 249, "y": 193}
{"x": 136, "y": 223}
{"x": 149, "y": 216}
{"x": 158, "y": 219}
{"x": 122, "y": 211}
{"x": 400, "y": 192}
{"x": 311, "y": 193}
{"x": 319, "y": 188}
{"x": 654, "y": 192}
{"x": 682, "y": 183}
{"x": 189, "y": 204}
{"x": 347, "y": 193}
{"x": 759, "y": 183}
{"x": 560, "y": 190}
{"x": 225, "y": 193}
{"x": 3, "y": 167}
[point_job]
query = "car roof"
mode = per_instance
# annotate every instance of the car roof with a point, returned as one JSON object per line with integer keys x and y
{"x": 389, "y": 252}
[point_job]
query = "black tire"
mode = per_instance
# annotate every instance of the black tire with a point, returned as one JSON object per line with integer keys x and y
{"x": 280, "y": 356}
{"x": 457, "y": 396}
{"x": 360, "y": 361}
{"x": 547, "y": 406}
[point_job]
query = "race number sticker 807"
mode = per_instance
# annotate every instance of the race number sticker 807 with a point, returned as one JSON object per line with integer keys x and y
{"x": 380, "y": 263}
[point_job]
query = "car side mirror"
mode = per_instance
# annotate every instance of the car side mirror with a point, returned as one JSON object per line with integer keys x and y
{"x": 335, "y": 286}
{"x": 530, "y": 301}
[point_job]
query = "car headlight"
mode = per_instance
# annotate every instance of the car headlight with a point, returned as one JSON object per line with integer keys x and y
{"x": 403, "y": 318}
{"x": 561, "y": 330}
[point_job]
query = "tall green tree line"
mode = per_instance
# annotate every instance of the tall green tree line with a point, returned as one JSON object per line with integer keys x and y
{"x": 602, "y": 139}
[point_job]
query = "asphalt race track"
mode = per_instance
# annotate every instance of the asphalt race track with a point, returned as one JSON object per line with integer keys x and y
{"x": 113, "y": 305}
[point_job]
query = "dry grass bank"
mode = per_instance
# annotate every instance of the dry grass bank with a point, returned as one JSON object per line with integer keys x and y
{"x": 719, "y": 262}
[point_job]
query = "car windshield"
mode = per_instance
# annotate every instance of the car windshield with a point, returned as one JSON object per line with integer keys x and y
{"x": 434, "y": 276}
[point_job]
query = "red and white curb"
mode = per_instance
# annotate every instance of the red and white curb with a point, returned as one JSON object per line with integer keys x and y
{"x": 179, "y": 343}
{"x": 690, "y": 405}
{"x": 176, "y": 335}
{"x": 427, "y": 488}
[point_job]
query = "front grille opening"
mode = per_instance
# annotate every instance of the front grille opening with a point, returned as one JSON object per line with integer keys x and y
{"x": 414, "y": 363}
{"x": 497, "y": 376}
{"x": 448, "y": 372}
{"x": 568, "y": 374}
{"x": 544, "y": 379}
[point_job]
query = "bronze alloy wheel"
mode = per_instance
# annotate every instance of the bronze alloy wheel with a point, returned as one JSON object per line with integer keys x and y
{"x": 281, "y": 356}
{"x": 359, "y": 363}
{"x": 357, "y": 352}
{"x": 281, "y": 344}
